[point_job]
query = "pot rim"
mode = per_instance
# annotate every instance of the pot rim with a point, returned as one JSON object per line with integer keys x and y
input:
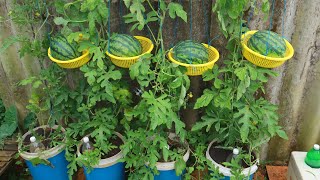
{"x": 43, "y": 154}
{"x": 165, "y": 166}
{"x": 107, "y": 161}
{"x": 227, "y": 171}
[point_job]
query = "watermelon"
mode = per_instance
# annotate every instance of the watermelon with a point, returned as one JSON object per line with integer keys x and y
{"x": 190, "y": 52}
{"x": 61, "y": 49}
{"x": 123, "y": 45}
{"x": 267, "y": 43}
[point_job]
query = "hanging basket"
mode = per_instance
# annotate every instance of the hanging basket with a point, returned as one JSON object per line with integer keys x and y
{"x": 198, "y": 69}
{"x": 126, "y": 62}
{"x": 262, "y": 60}
{"x": 72, "y": 63}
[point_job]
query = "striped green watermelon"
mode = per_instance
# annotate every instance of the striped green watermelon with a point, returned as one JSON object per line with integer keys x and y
{"x": 123, "y": 45}
{"x": 61, "y": 49}
{"x": 267, "y": 43}
{"x": 190, "y": 52}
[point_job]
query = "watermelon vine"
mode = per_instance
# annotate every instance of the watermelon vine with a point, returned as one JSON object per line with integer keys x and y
{"x": 233, "y": 105}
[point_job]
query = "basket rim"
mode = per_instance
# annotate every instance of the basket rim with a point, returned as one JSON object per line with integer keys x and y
{"x": 196, "y": 65}
{"x": 86, "y": 53}
{"x": 288, "y": 45}
{"x": 133, "y": 57}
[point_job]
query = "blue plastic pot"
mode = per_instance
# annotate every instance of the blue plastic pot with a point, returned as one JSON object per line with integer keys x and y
{"x": 109, "y": 168}
{"x": 167, "y": 170}
{"x": 56, "y": 156}
{"x": 227, "y": 171}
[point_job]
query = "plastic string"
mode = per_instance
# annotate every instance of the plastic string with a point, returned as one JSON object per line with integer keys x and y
{"x": 206, "y": 22}
{"x": 175, "y": 30}
{"x": 190, "y": 6}
{"x": 122, "y": 25}
{"x": 109, "y": 29}
{"x": 270, "y": 26}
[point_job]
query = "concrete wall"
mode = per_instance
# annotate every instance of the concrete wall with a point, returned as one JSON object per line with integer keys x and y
{"x": 296, "y": 90}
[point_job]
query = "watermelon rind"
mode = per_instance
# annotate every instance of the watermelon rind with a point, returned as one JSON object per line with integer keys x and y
{"x": 61, "y": 49}
{"x": 267, "y": 43}
{"x": 190, "y": 52}
{"x": 124, "y": 45}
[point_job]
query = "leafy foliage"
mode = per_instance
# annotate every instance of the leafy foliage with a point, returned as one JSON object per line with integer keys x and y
{"x": 235, "y": 113}
{"x": 9, "y": 123}
{"x": 162, "y": 92}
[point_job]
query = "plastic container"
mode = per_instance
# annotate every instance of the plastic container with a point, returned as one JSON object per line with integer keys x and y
{"x": 299, "y": 170}
{"x": 262, "y": 60}
{"x": 56, "y": 156}
{"x": 313, "y": 157}
{"x": 227, "y": 171}
{"x": 72, "y": 63}
{"x": 126, "y": 62}
{"x": 198, "y": 69}
{"x": 108, "y": 168}
{"x": 167, "y": 170}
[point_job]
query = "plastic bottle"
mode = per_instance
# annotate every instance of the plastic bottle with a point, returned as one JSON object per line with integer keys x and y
{"x": 313, "y": 157}
{"x": 87, "y": 145}
{"x": 35, "y": 146}
{"x": 233, "y": 155}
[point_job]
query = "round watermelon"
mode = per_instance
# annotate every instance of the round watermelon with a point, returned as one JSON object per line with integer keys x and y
{"x": 190, "y": 52}
{"x": 123, "y": 45}
{"x": 61, "y": 49}
{"x": 267, "y": 43}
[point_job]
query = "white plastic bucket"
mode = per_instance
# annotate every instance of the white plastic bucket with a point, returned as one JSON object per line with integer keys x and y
{"x": 227, "y": 171}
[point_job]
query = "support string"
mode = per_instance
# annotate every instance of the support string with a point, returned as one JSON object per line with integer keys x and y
{"x": 190, "y": 6}
{"x": 109, "y": 29}
{"x": 270, "y": 26}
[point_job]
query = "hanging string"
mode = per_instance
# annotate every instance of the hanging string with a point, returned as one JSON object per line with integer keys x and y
{"x": 283, "y": 16}
{"x": 109, "y": 26}
{"x": 251, "y": 14}
{"x": 190, "y": 7}
{"x": 270, "y": 26}
{"x": 122, "y": 25}
{"x": 159, "y": 5}
{"x": 175, "y": 30}
{"x": 206, "y": 22}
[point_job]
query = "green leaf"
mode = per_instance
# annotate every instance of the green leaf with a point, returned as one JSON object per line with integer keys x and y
{"x": 103, "y": 11}
{"x": 92, "y": 25}
{"x": 182, "y": 96}
{"x": 242, "y": 88}
{"x": 244, "y": 115}
{"x": 282, "y": 134}
{"x": 60, "y": 21}
{"x": 241, "y": 73}
{"x": 10, "y": 123}
{"x": 205, "y": 99}
{"x": 177, "y": 9}
{"x": 36, "y": 161}
{"x": 179, "y": 166}
{"x": 207, "y": 122}
{"x": 165, "y": 153}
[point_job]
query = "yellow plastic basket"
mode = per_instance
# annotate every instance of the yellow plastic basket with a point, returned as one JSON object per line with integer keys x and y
{"x": 72, "y": 63}
{"x": 126, "y": 62}
{"x": 261, "y": 60}
{"x": 198, "y": 69}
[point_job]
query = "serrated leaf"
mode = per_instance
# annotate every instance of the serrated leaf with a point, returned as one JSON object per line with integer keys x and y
{"x": 177, "y": 9}
{"x": 241, "y": 73}
{"x": 242, "y": 88}
{"x": 204, "y": 100}
{"x": 179, "y": 166}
